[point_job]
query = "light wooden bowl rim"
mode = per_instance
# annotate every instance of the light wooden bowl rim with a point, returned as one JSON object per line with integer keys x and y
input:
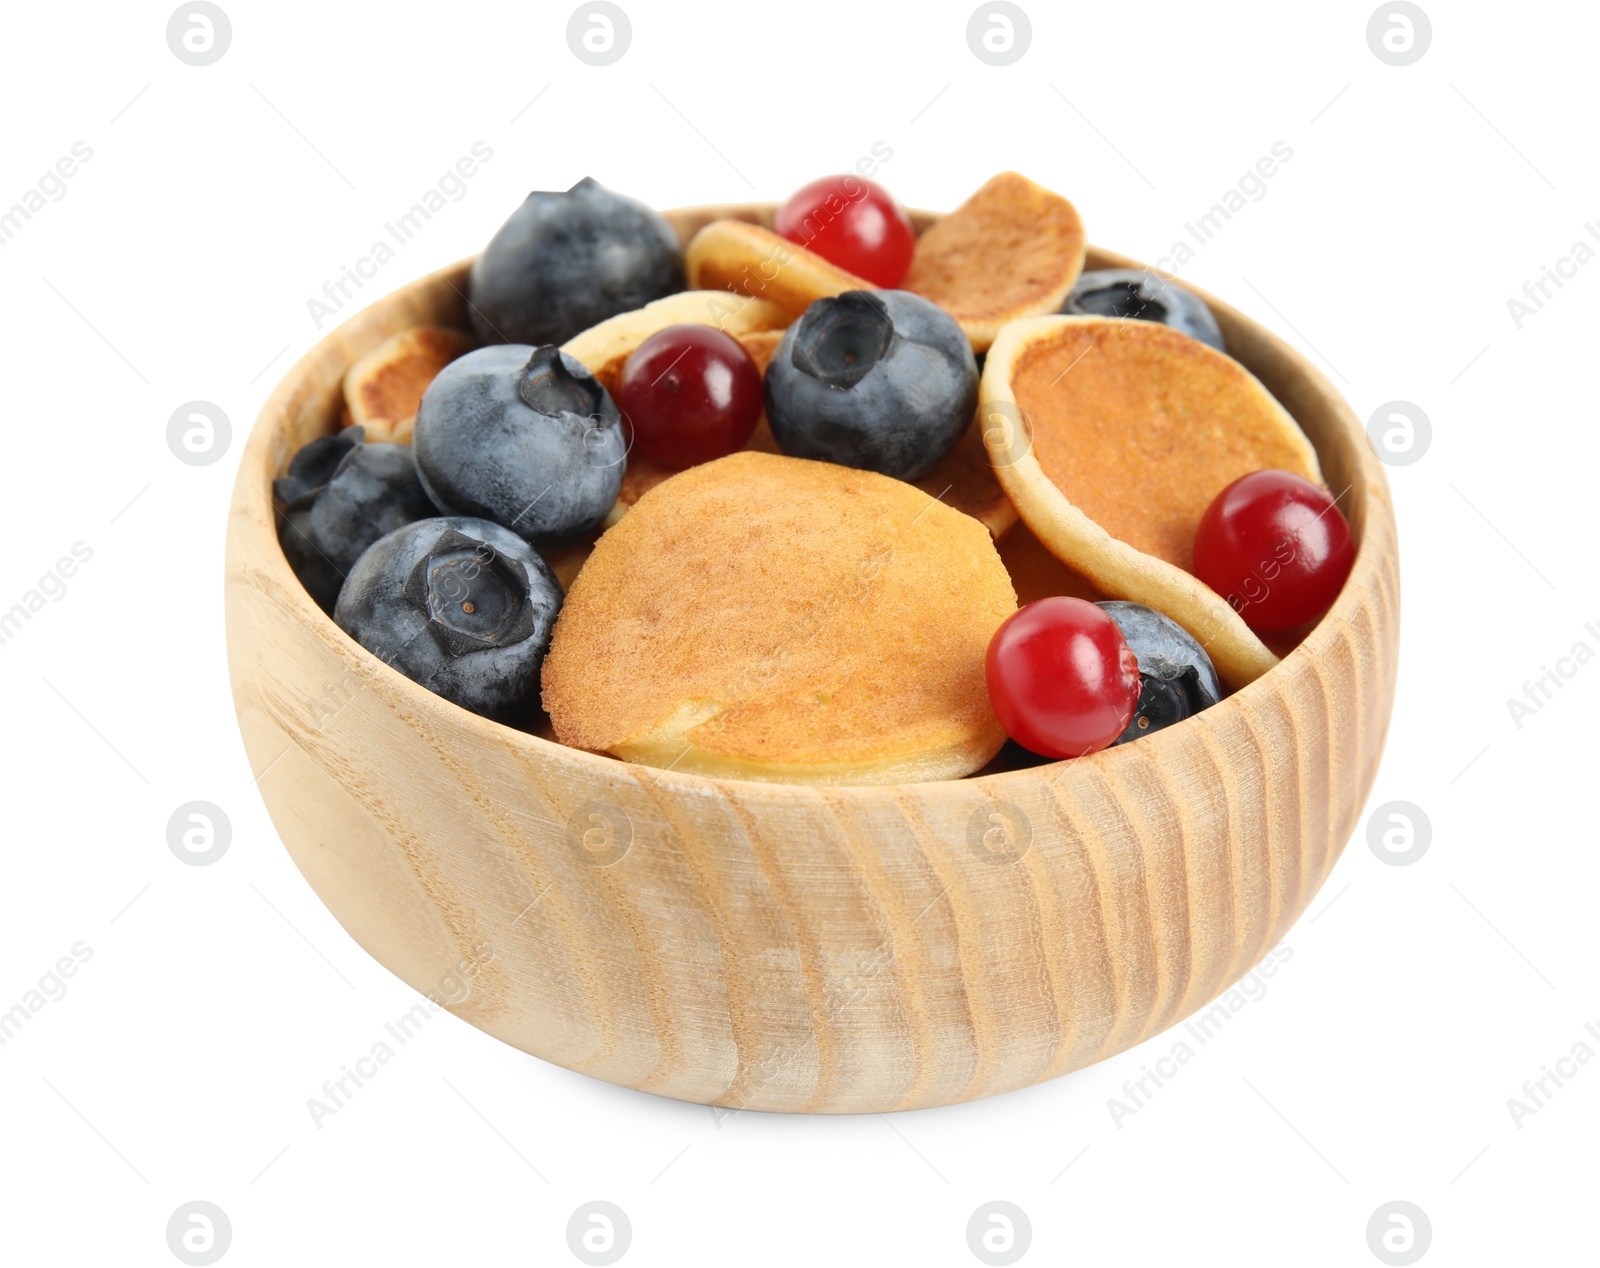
{"x": 253, "y": 518}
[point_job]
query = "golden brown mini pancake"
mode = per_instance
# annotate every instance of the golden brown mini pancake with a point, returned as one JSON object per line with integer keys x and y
{"x": 764, "y": 617}
{"x": 1128, "y": 431}
{"x": 1037, "y": 574}
{"x": 963, "y": 479}
{"x": 1013, "y": 249}
{"x": 383, "y": 389}
{"x": 730, "y": 255}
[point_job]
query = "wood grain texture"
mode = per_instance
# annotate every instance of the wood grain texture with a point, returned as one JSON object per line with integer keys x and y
{"x": 788, "y": 948}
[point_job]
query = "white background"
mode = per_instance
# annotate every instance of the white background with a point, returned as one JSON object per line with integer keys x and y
{"x": 218, "y": 999}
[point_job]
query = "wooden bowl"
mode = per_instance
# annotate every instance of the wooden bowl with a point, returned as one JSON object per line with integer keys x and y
{"x": 780, "y": 947}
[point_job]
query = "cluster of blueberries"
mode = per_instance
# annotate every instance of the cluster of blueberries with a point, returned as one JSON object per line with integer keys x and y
{"x": 428, "y": 555}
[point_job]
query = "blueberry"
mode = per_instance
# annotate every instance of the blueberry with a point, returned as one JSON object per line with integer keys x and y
{"x": 880, "y": 380}
{"x": 340, "y": 495}
{"x": 460, "y": 605}
{"x": 315, "y": 462}
{"x": 1176, "y": 677}
{"x": 565, "y": 262}
{"x": 522, "y": 436}
{"x": 1147, "y": 296}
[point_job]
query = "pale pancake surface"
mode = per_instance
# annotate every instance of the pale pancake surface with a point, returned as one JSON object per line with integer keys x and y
{"x": 731, "y": 255}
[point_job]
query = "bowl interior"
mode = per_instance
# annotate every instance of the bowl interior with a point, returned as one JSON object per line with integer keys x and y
{"x": 312, "y": 402}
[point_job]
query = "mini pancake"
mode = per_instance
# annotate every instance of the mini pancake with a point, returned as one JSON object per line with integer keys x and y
{"x": 731, "y": 255}
{"x": 963, "y": 479}
{"x": 1013, "y": 249}
{"x": 1037, "y": 574}
{"x": 396, "y": 433}
{"x": 604, "y": 349}
{"x": 1112, "y": 437}
{"x": 773, "y": 618}
{"x": 383, "y": 389}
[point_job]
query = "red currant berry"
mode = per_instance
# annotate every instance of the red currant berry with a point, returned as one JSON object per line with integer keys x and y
{"x": 1276, "y": 547}
{"x": 692, "y": 393}
{"x": 853, "y": 223}
{"x": 1062, "y": 679}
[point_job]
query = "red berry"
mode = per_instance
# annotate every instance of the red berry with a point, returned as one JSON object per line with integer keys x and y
{"x": 692, "y": 393}
{"x": 853, "y": 223}
{"x": 1276, "y": 547}
{"x": 1062, "y": 679}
